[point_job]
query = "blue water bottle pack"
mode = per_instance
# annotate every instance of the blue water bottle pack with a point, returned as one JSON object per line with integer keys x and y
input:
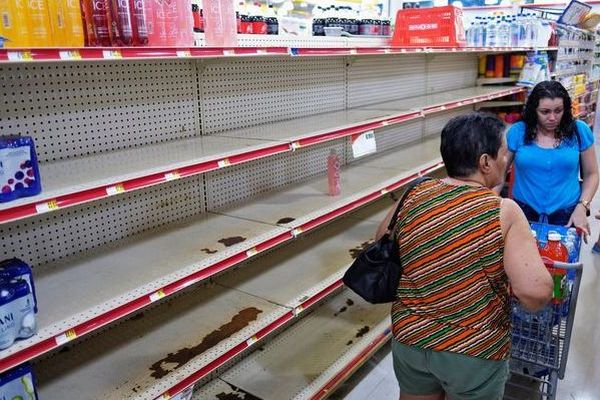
{"x": 19, "y": 172}
{"x": 17, "y": 269}
{"x": 18, "y": 383}
{"x": 17, "y": 315}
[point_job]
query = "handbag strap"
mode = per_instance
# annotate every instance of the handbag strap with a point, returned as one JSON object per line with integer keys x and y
{"x": 410, "y": 187}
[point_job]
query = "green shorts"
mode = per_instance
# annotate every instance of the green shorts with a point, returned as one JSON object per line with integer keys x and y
{"x": 426, "y": 372}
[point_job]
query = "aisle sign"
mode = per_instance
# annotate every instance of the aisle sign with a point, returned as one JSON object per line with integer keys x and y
{"x": 363, "y": 144}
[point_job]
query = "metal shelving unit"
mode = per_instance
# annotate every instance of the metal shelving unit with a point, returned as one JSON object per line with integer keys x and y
{"x": 164, "y": 167}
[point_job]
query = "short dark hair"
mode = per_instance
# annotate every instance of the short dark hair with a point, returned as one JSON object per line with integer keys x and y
{"x": 466, "y": 138}
{"x": 548, "y": 90}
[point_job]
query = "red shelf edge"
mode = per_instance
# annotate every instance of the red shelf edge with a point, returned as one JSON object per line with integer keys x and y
{"x": 338, "y": 378}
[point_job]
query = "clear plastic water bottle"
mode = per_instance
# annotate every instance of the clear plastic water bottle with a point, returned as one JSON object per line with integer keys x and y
{"x": 491, "y": 38}
{"x": 470, "y": 34}
{"x": 514, "y": 32}
{"x": 503, "y": 38}
{"x": 480, "y": 33}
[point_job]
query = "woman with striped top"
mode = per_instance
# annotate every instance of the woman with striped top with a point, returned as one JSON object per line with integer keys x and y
{"x": 461, "y": 246}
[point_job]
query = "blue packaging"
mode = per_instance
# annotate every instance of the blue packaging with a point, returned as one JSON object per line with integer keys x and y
{"x": 17, "y": 317}
{"x": 19, "y": 171}
{"x": 18, "y": 383}
{"x": 17, "y": 269}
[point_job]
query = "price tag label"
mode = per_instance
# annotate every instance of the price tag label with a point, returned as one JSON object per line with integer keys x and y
{"x": 261, "y": 51}
{"x": 112, "y": 54}
{"x": 65, "y": 337}
{"x": 387, "y": 51}
{"x": 20, "y": 56}
{"x": 384, "y": 191}
{"x": 224, "y": 163}
{"x": 47, "y": 206}
{"x": 157, "y": 295}
{"x": 298, "y": 310}
{"x": 184, "y": 53}
{"x": 251, "y": 252}
{"x": 228, "y": 52}
{"x": 171, "y": 176}
{"x": 112, "y": 190}
{"x": 296, "y": 232}
{"x": 165, "y": 396}
{"x": 353, "y": 51}
{"x": 363, "y": 144}
{"x": 251, "y": 341}
{"x": 295, "y": 146}
{"x": 69, "y": 55}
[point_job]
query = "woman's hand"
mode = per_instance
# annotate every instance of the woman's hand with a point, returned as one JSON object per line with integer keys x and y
{"x": 579, "y": 220}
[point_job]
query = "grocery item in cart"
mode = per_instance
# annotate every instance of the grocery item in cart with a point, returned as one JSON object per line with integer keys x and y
{"x": 19, "y": 172}
{"x": 18, "y": 383}
{"x": 556, "y": 251}
{"x": 17, "y": 315}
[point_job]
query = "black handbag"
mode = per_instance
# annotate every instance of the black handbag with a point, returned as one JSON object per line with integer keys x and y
{"x": 375, "y": 274}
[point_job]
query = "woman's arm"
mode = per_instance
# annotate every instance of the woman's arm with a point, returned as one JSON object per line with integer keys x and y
{"x": 589, "y": 169}
{"x": 510, "y": 156}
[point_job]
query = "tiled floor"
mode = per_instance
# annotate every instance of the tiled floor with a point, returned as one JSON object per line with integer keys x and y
{"x": 375, "y": 380}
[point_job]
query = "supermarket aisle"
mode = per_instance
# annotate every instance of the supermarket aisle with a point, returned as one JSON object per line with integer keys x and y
{"x": 375, "y": 380}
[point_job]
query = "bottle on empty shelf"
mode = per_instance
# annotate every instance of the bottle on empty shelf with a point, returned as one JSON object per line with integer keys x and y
{"x": 491, "y": 38}
{"x": 333, "y": 173}
{"x": 503, "y": 37}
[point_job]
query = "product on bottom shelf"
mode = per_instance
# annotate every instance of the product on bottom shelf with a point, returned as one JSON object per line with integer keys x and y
{"x": 17, "y": 311}
{"x": 19, "y": 172}
{"x": 18, "y": 384}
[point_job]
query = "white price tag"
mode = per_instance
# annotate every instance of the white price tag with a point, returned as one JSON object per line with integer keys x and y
{"x": 251, "y": 252}
{"x": 442, "y": 107}
{"x": 112, "y": 190}
{"x": 171, "y": 176}
{"x": 295, "y": 146}
{"x": 69, "y": 55}
{"x": 363, "y": 144}
{"x": 223, "y": 163}
{"x": 112, "y": 54}
{"x": 387, "y": 51}
{"x": 298, "y": 310}
{"x": 228, "y": 52}
{"x": 296, "y": 232}
{"x": 157, "y": 295}
{"x": 261, "y": 51}
{"x": 251, "y": 341}
{"x": 353, "y": 51}
{"x": 65, "y": 337}
{"x": 20, "y": 56}
{"x": 184, "y": 53}
{"x": 384, "y": 191}
{"x": 47, "y": 206}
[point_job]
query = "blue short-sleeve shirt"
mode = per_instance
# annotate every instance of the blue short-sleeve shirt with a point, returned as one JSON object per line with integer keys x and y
{"x": 547, "y": 179}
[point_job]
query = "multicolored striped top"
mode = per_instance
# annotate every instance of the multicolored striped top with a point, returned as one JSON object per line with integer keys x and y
{"x": 453, "y": 294}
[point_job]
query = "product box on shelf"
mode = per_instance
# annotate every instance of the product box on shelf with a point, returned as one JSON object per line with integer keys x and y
{"x": 436, "y": 26}
{"x": 18, "y": 383}
{"x": 17, "y": 315}
{"x": 19, "y": 172}
{"x": 17, "y": 269}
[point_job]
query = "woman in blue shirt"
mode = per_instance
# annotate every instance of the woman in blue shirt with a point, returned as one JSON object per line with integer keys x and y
{"x": 549, "y": 149}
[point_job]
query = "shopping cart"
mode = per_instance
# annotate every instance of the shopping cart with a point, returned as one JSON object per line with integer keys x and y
{"x": 540, "y": 341}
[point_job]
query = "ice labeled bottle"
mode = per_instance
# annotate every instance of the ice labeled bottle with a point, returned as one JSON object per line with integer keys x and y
{"x": 39, "y": 24}
{"x": 138, "y": 22}
{"x": 121, "y": 25}
{"x": 14, "y": 28}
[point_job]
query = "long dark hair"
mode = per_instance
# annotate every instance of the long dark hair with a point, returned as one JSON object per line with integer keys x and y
{"x": 548, "y": 90}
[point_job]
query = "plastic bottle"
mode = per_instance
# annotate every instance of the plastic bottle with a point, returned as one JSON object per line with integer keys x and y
{"x": 491, "y": 34}
{"x": 557, "y": 251}
{"x": 39, "y": 23}
{"x": 97, "y": 22}
{"x": 514, "y": 32}
{"x": 480, "y": 34}
{"x": 138, "y": 22}
{"x": 333, "y": 173}
{"x": 121, "y": 24}
{"x": 14, "y": 27}
{"x": 503, "y": 33}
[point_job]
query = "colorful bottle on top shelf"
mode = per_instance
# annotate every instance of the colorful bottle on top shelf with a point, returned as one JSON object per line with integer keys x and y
{"x": 73, "y": 35}
{"x": 96, "y": 17}
{"x": 14, "y": 27}
{"x": 138, "y": 22}
{"x": 39, "y": 24}
{"x": 121, "y": 25}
